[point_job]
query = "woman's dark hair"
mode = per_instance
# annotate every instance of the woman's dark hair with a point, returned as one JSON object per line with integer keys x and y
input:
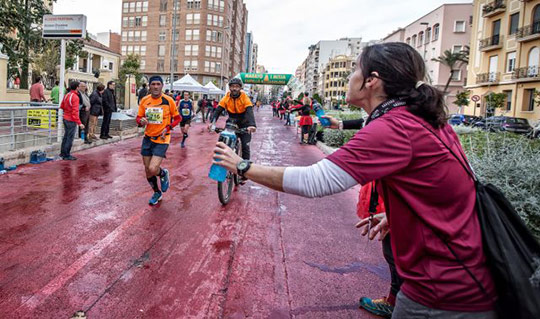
{"x": 100, "y": 87}
{"x": 401, "y": 67}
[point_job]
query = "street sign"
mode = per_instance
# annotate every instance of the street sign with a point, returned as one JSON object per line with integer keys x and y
{"x": 265, "y": 78}
{"x": 64, "y": 26}
{"x": 475, "y": 98}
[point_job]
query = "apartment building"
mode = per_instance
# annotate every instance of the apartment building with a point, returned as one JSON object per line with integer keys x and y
{"x": 505, "y": 54}
{"x": 445, "y": 28}
{"x": 251, "y": 52}
{"x": 207, "y": 40}
{"x": 335, "y": 80}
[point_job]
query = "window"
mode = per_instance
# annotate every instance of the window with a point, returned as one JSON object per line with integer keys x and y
{"x": 187, "y": 50}
{"x": 192, "y": 35}
{"x": 433, "y": 56}
{"x": 124, "y": 36}
{"x": 456, "y": 75}
{"x": 162, "y": 36}
{"x": 219, "y": 52}
{"x": 143, "y": 36}
{"x": 143, "y": 64}
{"x": 420, "y": 38}
{"x": 193, "y": 4}
{"x": 161, "y": 50}
{"x": 459, "y": 26}
{"x": 428, "y": 35}
{"x": 176, "y": 20}
{"x": 138, "y": 21}
{"x": 145, "y": 6}
{"x": 208, "y": 35}
{"x": 137, "y": 36}
{"x": 162, "y": 20}
{"x": 160, "y": 66}
{"x": 408, "y": 41}
{"x": 190, "y": 65}
{"x": 139, "y": 6}
{"x": 508, "y": 100}
{"x": 413, "y": 41}
{"x": 457, "y": 48}
{"x": 126, "y": 7}
{"x": 131, "y": 22}
{"x": 510, "y": 62}
{"x": 163, "y": 5}
{"x": 514, "y": 23}
{"x": 214, "y": 52}
{"x": 196, "y": 35}
{"x": 195, "y": 50}
{"x": 130, "y": 49}
{"x": 144, "y": 21}
{"x": 125, "y": 21}
{"x": 143, "y": 50}
{"x": 207, "y": 50}
{"x": 132, "y": 7}
{"x": 529, "y": 95}
{"x": 436, "y": 32}
{"x": 124, "y": 50}
{"x": 136, "y": 49}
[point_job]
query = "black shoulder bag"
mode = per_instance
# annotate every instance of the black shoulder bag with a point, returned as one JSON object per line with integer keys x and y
{"x": 512, "y": 252}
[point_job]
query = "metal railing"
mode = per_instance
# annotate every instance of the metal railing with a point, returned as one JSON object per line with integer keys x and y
{"x": 527, "y": 72}
{"x": 27, "y": 124}
{"x": 488, "y": 77}
{"x": 493, "y": 6}
{"x": 528, "y": 30}
{"x": 492, "y": 41}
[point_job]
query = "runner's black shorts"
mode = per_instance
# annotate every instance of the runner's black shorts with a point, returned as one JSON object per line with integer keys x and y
{"x": 150, "y": 148}
{"x": 185, "y": 122}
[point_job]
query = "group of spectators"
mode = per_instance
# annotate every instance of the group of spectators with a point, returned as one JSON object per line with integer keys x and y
{"x": 284, "y": 110}
{"x": 82, "y": 110}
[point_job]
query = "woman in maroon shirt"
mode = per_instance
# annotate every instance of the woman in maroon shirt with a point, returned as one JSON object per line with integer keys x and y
{"x": 425, "y": 189}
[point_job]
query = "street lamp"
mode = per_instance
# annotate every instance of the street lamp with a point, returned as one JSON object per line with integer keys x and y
{"x": 222, "y": 58}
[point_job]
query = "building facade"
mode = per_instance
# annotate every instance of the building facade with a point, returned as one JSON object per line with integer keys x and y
{"x": 207, "y": 40}
{"x": 251, "y": 51}
{"x": 505, "y": 55}
{"x": 334, "y": 78}
{"x": 445, "y": 28}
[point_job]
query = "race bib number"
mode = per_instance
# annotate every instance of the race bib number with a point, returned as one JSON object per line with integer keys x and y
{"x": 154, "y": 115}
{"x": 186, "y": 112}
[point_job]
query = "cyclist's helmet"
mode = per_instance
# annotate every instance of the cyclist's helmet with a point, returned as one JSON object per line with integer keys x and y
{"x": 236, "y": 81}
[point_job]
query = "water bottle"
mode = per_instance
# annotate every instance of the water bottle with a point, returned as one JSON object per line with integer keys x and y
{"x": 228, "y": 136}
{"x": 320, "y": 113}
{"x": 83, "y": 135}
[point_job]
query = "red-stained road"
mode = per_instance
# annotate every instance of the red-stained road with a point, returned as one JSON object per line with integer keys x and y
{"x": 81, "y": 236}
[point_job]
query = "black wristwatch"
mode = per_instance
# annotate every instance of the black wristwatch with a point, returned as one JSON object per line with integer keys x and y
{"x": 243, "y": 167}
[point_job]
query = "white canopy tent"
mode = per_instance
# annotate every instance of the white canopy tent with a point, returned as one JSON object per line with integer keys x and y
{"x": 188, "y": 83}
{"x": 213, "y": 89}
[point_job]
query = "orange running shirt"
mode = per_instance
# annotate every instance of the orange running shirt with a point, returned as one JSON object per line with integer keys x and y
{"x": 159, "y": 113}
{"x": 235, "y": 106}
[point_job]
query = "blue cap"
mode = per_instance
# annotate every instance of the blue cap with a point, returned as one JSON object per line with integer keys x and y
{"x": 155, "y": 78}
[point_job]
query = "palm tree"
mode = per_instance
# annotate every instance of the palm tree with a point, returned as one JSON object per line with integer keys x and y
{"x": 452, "y": 60}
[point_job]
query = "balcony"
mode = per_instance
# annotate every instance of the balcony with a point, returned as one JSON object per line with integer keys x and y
{"x": 527, "y": 73}
{"x": 486, "y": 78}
{"x": 491, "y": 43}
{"x": 529, "y": 32}
{"x": 493, "y": 8}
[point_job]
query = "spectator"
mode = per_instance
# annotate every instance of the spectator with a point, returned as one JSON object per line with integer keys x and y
{"x": 96, "y": 109}
{"x": 201, "y": 106}
{"x": 109, "y": 106}
{"x": 70, "y": 105}
{"x": 142, "y": 93}
{"x": 84, "y": 109}
{"x": 210, "y": 108}
{"x": 434, "y": 231}
{"x": 55, "y": 93}
{"x": 37, "y": 91}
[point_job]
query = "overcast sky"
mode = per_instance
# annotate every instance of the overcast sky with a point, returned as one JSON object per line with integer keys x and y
{"x": 284, "y": 29}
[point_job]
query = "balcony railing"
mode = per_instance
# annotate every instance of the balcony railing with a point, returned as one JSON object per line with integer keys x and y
{"x": 530, "y": 72}
{"x": 491, "y": 77}
{"x": 491, "y": 43}
{"x": 493, "y": 8}
{"x": 529, "y": 32}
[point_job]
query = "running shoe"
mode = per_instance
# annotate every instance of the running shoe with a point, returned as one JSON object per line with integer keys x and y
{"x": 182, "y": 145}
{"x": 165, "y": 181}
{"x": 155, "y": 199}
{"x": 379, "y": 307}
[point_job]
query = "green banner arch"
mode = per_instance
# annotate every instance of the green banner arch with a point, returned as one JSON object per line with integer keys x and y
{"x": 265, "y": 78}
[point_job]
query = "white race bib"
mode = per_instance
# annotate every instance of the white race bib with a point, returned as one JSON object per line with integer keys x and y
{"x": 154, "y": 115}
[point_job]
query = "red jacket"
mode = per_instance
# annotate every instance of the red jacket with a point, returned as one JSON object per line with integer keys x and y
{"x": 362, "y": 209}
{"x": 70, "y": 105}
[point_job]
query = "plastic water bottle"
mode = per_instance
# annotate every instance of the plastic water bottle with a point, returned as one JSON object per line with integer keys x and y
{"x": 228, "y": 136}
{"x": 320, "y": 113}
{"x": 83, "y": 135}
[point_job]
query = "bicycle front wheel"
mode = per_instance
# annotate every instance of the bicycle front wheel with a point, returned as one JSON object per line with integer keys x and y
{"x": 225, "y": 188}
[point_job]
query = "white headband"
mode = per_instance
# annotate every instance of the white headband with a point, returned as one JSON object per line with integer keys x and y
{"x": 419, "y": 84}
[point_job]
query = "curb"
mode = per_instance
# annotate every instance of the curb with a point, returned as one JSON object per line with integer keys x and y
{"x": 327, "y": 150}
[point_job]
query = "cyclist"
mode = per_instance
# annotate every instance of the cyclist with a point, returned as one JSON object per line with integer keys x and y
{"x": 158, "y": 113}
{"x": 237, "y": 103}
{"x": 185, "y": 107}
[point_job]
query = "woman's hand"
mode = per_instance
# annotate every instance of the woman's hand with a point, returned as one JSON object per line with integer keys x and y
{"x": 334, "y": 123}
{"x": 379, "y": 224}
{"x": 228, "y": 158}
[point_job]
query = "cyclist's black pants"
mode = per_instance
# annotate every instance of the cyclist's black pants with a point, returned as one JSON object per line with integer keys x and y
{"x": 245, "y": 138}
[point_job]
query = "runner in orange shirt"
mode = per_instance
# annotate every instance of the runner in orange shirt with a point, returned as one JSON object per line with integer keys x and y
{"x": 159, "y": 114}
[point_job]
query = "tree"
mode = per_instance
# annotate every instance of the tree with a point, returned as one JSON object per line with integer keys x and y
{"x": 317, "y": 98}
{"x": 494, "y": 101}
{"x": 462, "y": 99}
{"x": 20, "y": 32}
{"x": 48, "y": 61}
{"x": 131, "y": 66}
{"x": 452, "y": 60}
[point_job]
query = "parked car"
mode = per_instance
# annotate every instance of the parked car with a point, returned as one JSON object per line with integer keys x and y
{"x": 536, "y": 131}
{"x": 504, "y": 124}
{"x": 462, "y": 119}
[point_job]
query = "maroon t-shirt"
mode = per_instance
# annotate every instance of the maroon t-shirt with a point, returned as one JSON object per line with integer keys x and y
{"x": 418, "y": 174}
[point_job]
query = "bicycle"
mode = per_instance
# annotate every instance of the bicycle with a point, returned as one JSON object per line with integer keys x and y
{"x": 232, "y": 180}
